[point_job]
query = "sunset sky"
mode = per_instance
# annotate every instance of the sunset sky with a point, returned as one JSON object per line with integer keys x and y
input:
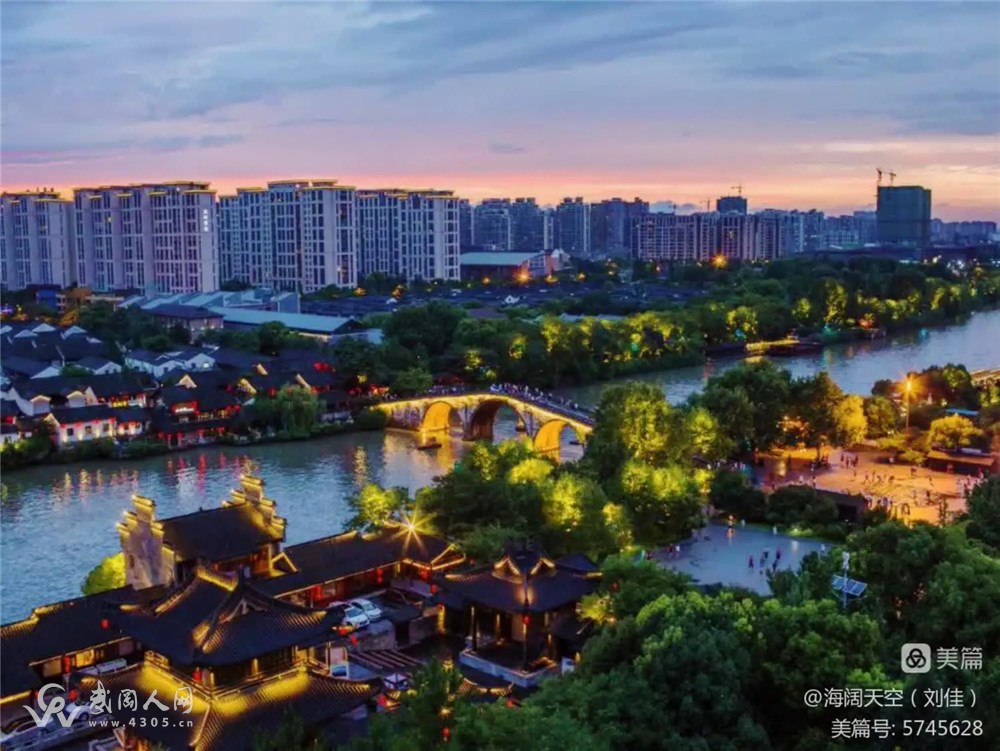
{"x": 799, "y": 102}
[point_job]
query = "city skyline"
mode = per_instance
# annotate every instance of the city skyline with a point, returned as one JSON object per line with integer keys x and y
{"x": 799, "y": 103}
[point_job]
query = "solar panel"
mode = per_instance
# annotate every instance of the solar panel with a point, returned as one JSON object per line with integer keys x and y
{"x": 853, "y": 587}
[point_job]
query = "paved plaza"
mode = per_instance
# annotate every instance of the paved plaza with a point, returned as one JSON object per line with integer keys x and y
{"x": 723, "y": 557}
{"x": 915, "y": 493}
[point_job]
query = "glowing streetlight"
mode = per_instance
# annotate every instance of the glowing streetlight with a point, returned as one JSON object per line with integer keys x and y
{"x": 908, "y": 389}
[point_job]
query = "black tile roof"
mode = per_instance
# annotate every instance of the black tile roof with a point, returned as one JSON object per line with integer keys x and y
{"x": 67, "y": 415}
{"x": 210, "y": 621}
{"x": 238, "y": 359}
{"x": 132, "y": 414}
{"x": 58, "y": 629}
{"x": 220, "y": 534}
{"x": 523, "y": 581}
{"x": 103, "y": 386}
{"x": 233, "y": 722}
{"x": 209, "y": 399}
{"x": 23, "y": 366}
{"x": 336, "y": 557}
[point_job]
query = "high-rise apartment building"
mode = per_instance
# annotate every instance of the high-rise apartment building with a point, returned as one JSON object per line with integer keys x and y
{"x": 491, "y": 225}
{"x": 736, "y": 236}
{"x": 867, "y": 225}
{"x": 812, "y": 231}
{"x": 36, "y": 243}
{"x": 904, "y": 215}
{"x": 296, "y": 235}
{"x": 158, "y": 237}
{"x": 413, "y": 234}
{"x": 465, "y": 240}
{"x": 673, "y": 237}
{"x": 731, "y": 205}
{"x": 572, "y": 226}
{"x": 527, "y": 225}
{"x": 611, "y": 226}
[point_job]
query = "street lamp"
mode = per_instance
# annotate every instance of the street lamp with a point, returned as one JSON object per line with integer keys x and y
{"x": 908, "y": 389}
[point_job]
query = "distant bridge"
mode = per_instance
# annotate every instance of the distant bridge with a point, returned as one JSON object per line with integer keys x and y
{"x": 542, "y": 420}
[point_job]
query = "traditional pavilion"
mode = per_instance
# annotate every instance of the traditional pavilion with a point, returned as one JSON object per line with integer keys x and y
{"x": 516, "y": 610}
{"x": 243, "y": 656}
{"x": 245, "y": 533}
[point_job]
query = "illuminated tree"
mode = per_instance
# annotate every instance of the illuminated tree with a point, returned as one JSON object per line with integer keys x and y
{"x": 297, "y": 408}
{"x": 953, "y": 432}
{"x": 375, "y": 506}
{"x": 108, "y": 574}
{"x": 663, "y": 502}
{"x": 850, "y": 423}
{"x": 882, "y": 415}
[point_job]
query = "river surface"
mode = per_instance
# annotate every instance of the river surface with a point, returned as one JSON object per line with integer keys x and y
{"x": 854, "y": 366}
{"x": 58, "y": 522}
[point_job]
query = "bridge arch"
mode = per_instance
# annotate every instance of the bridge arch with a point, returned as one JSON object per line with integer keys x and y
{"x": 437, "y": 418}
{"x": 480, "y": 423}
{"x": 548, "y": 439}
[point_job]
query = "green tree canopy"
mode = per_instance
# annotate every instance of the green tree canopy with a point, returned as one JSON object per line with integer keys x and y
{"x": 108, "y": 574}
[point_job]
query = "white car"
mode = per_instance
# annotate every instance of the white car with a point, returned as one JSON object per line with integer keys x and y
{"x": 373, "y": 611}
{"x": 353, "y": 615}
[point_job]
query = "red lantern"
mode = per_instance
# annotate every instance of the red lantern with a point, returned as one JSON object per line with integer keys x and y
{"x": 446, "y": 733}
{"x": 67, "y": 665}
{"x": 73, "y": 693}
{"x": 105, "y": 624}
{"x": 526, "y": 619}
{"x": 378, "y": 575}
{"x": 382, "y": 700}
{"x": 510, "y": 704}
{"x": 354, "y": 639}
{"x": 434, "y": 589}
{"x": 343, "y": 630}
{"x": 196, "y": 675}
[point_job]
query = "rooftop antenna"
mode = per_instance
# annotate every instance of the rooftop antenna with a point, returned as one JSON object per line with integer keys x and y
{"x": 738, "y": 189}
{"x": 708, "y": 204}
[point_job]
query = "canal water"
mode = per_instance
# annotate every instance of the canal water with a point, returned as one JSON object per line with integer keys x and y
{"x": 854, "y": 366}
{"x": 58, "y": 522}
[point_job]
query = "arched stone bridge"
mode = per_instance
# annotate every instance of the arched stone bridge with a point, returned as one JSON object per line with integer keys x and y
{"x": 542, "y": 421}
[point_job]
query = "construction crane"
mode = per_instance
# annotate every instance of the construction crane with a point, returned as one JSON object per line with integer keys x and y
{"x": 738, "y": 189}
{"x": 879, "y": 170}
{"x": 892, "y": 178}
{"x": 708, "y": 204}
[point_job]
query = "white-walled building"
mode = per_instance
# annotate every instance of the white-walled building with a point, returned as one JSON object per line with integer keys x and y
{"x": 36, "y": 243}
{"x": 294, "y": 235}
{"x": 413, "y": 234}
{"x": 155, "y": 237}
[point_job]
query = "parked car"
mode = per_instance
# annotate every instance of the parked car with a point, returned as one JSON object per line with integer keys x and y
{"x": 353, "y": 615}
{"x": 373, "y": 611}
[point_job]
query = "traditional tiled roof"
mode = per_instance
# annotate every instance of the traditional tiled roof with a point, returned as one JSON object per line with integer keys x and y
{"x": 90, "y": 413}
{"x": 103, "y": 386}
{"x": 523, "y": 581}
{"x": 22, "y": 366}
{"x": 211, "y": 620}
{"x": 238, "y": 359}
{"x": 58, "y": 629}
{"x": 336, "y": 557}
{"x": 232, "y": 721}
{"x": 219, "y": 534}
{"x": 209, "y": 399}
{"x": 132, "y": 414}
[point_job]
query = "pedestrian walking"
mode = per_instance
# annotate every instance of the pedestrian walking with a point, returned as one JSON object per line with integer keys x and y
{"x": 750, "y": 563}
